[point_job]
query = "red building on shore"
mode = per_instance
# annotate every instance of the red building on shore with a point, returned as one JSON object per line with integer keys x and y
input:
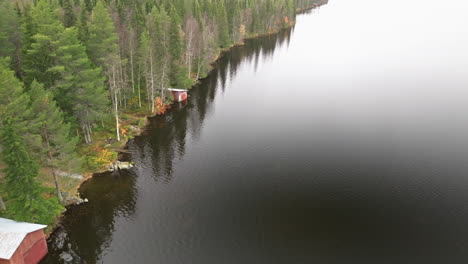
{"x": 179, "y": 95}
{"x": 21, "y": 243}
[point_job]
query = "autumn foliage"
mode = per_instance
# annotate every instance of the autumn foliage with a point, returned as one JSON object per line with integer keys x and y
{"x": 123, "y": 131}
{"x": 102, "y": 156}
{"x": 159, "y": 107}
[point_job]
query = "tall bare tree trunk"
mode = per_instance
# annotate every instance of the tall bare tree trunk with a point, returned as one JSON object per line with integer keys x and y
{"x": 152, "y": 80}
{"x": 188, "y": 53}
{"x": 116, "y": 103}
{"x": 139, "y": 86}
{"x": 132, "y": 71}
{"x": 86, "y": 134}
{"x": 57, "y": 186}
{"x": 86, "y": 129}
{"x": 122, "y": 83}
{"x": 117, "y": 126}
{"x": 163, "y": 76}
{"x": 199, "y": 65}
{"x": 54, "y": 173}
{"x": 2, "y": 204}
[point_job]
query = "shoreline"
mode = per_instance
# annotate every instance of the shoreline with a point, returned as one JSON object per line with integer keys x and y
{"x": 123, "y": 144}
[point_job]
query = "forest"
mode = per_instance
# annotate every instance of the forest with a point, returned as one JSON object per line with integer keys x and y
{"x": 77, "y": 77}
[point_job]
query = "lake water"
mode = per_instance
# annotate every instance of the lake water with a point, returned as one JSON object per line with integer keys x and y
{"x": 344, "y": 140}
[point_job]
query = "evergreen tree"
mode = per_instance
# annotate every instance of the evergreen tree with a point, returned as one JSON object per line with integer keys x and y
{"x": 146, "y": 62}
{"x": 80, "y": 90}
{"x": 13, "y": 101}
{"x": 26, "y": 201}
{"x": 27, "y": 33}
{"x": 102, "y": 42}
{"x": 103, "y": 50}
{"x": 176, "y": 43}
{"x": 40, "y": 56}
{"x": 7, "y": 25}
{"x": 69, "y": 18}
{"x": 10, "y": 35}
{"x": 223, "y": 25}
{"x": 177, "y": 73}
{"x": 161, "y": 38}
{"x": 57, "y": 149}
{"x": 83, "y": 26}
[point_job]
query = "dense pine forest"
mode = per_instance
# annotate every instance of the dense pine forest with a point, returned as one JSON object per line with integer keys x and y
{"x": 78, "y": 76}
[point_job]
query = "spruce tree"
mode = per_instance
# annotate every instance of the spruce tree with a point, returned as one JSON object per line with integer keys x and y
{"x": 102, "y": 42}
{"x": 69, "y": 18}
{"x": 223, "y": 25}
{"x": 178, "y": 74}
{"x": 103, "y": 50}
{"x": 7, "y": 24}
{"x": 13, "y": 101}
{"x": 146, "y": 61}
{"x": 176, "y": 43}
{"x": 82, "y": 26}
{"x": 80, "y": 90}
{"x": 160, "y": 28}
{"x": 10, "y": 35}
{"x": 40, "y": 56}
{"x": 57, "y": 148}
{"x": 26, "y": 201}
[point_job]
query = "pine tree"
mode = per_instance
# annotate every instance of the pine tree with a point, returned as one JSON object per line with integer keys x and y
{"x": 178, "y": 74}
{"x": 146, "y": 61}
{"x": 176, "y": 43}
{"x": 69, "y": 18}
{"x": 40, "y": 56}
{"x": 83, "y": 26}
{"x": 161, "y": 40}
{"x": 13, "y": 101}
{"x": 223, "y": 25}
{"x": 102, "y": 42}
{"x": 7, "y": 19}
{"x": 25, "y": 199}
{"x": 80, "y": 90}
{"x": 10, "y": 35}
{"x": 27, "y": 33}
{"x": 103, "y": 50}
{"x": 57, "y": 148}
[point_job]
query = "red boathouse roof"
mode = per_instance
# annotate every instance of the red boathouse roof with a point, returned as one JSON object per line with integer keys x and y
{"x": 176, "y": 90}
{"x": 12, "y": 234}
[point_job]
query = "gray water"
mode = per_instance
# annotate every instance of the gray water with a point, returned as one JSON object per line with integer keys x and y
{"x": 344, "y": 140}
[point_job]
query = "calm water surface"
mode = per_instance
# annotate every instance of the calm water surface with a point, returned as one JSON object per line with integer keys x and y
{"x": 344, "y": 140}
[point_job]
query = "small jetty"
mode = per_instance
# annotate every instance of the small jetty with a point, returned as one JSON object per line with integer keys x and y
{"x": 119, "y": 165}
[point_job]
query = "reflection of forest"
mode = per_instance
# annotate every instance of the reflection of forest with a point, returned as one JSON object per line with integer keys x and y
{"x": 87, "y": 230}
{"x": 165, "y": 138}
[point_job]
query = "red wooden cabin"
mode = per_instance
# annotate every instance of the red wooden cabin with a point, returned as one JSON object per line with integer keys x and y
{"x": 21, "y": 243}
{"x": 179, "y": 95}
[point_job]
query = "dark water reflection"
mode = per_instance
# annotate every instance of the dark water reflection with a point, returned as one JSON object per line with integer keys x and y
{"x": 316, "y": 145}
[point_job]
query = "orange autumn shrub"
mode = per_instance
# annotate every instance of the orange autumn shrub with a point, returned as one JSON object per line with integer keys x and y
{"x": 159, "y": 107}
{"x": 123, "y": 131}
{"x": 102, "y": 157}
